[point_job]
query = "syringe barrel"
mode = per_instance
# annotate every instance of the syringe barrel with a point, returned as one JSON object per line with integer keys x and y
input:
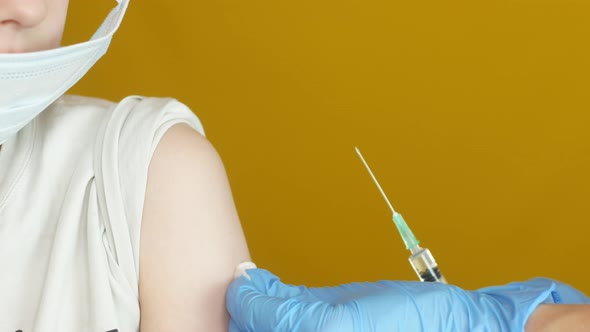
{"x": 425, "y": 266}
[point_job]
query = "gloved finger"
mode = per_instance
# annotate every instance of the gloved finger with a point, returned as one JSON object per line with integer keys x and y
{"x": 253, "y": 310}
{"x": 348, "y": 292}
{"x": 264, "y": 303}
{"x": 251, "y": 301}
{"x": 233, "y": 327}
{"x": 269, "y": 284}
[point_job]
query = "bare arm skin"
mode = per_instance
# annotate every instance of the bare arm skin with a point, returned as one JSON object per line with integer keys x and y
{"x": 191, "y": 238}
{"x": 559, "y": 318}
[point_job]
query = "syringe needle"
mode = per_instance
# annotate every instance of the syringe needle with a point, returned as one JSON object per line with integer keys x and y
{"x": 421, "y": 258}
{"x": 375, "y": 179}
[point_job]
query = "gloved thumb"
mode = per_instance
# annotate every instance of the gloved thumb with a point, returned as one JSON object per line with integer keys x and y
{"x": 259, "y": 301}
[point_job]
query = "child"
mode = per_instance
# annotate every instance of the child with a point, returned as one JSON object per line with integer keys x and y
{"x": 107, "y": 210}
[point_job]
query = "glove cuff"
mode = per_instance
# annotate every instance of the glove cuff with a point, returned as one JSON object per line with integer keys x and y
{"x": 520, "y": 299}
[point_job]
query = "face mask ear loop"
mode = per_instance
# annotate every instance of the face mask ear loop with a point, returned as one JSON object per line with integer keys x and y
{"x": 113, "y": 20}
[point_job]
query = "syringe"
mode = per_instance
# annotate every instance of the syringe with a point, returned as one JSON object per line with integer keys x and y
{"x": 421, "y": 259}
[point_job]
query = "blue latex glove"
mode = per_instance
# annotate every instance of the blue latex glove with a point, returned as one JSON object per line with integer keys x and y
{"x": 265, "y": 304}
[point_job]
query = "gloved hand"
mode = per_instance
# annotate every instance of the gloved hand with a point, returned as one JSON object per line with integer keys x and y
{"x": 264, "y": 304}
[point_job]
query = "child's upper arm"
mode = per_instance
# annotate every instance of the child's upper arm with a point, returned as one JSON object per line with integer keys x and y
{"x": 191, "y": 238}
{"x": 559, "y": 317}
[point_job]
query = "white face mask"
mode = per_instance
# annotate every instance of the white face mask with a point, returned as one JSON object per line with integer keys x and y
{"x": 29, "y": 82}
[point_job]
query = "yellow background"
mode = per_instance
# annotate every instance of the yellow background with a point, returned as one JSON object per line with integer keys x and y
{"x": 473, "y": 114}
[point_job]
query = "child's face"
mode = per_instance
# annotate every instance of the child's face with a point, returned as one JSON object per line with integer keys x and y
{"x": 31, "y": 25}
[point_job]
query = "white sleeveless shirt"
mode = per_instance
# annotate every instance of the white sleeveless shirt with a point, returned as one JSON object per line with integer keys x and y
{"x": 72, "y": 188}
